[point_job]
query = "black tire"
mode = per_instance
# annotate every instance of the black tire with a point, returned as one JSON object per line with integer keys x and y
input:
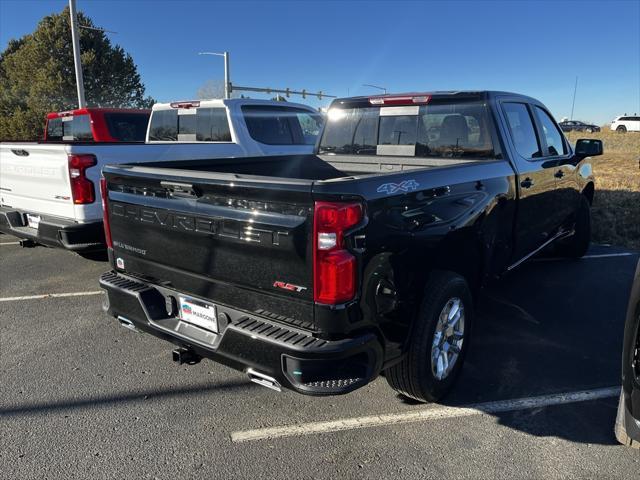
{"x": 621, "y": 129}
{"x": 577, "y": 244}
{"x": 413, "y": 377}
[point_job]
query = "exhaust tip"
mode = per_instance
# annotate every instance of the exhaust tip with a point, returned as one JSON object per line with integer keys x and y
{"x": 264, "y": 380}
{"x": 126, "y": 323}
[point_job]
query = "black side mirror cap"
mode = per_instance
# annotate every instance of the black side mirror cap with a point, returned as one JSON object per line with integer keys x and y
{"x": 588, "y": 147}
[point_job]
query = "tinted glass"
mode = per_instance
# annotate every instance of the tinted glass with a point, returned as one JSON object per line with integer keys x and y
{"x": 552, "y": 135}
{"x": 443, "y": 128}
{"x": 164, "y": 125}
{"x": 127, "y": 127}
{"x": 202, "y": 125}
{"x": 310, "y": 125}
{"x": 398, "y": 130}
{"x": 274, "y": 125}
{"x": 212, "y": 125}
{"x": 70, "y": 129}
{"x": 522, "y": 130}
{"x": 54, "y": 129}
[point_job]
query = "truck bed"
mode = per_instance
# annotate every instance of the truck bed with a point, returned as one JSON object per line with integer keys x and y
{"x": 309, "y": 167}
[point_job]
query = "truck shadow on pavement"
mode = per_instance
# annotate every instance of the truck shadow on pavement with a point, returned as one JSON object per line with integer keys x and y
{"x": 119, "y": 399}
{"x": 554, "y": 326}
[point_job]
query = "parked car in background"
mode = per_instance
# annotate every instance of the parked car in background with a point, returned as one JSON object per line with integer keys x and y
{"x": 628, "y": 419}
{"x": 48, "y": 190}
{"x": 577, "y": 126}
{"x": 101, "y": 125}
{"x": 318, "y": 272}
{"x": 626, "y": 123}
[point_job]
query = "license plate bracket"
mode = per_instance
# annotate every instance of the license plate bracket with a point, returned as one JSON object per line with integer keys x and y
{"x": 33, "y": 221}
{"x": 199, "y": 313}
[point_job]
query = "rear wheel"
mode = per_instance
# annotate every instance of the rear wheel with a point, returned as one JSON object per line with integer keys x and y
{"x": 577, "y": 244}
{"x": 621, "y": 129}
{"x": 589, "y": 130}
{"x": 439, "y": 340}
{"x": 620, "y": 430}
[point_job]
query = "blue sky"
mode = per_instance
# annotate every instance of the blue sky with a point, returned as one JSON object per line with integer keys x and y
{"x": 536, "y": 48}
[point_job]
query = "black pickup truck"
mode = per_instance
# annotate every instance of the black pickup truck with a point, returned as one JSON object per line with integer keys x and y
{"x": 320, "y": 272}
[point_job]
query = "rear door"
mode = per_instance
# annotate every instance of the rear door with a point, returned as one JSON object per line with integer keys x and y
{"x": 35, "y": 178}
{"x": 557, "y": 154}
{"x": 536, "y": 217}
{"x": 234, "y": 242}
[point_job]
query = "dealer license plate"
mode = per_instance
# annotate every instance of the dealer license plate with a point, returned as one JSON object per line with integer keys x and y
{"x": 199, "y": 313}
{"x": 33, "y": 220}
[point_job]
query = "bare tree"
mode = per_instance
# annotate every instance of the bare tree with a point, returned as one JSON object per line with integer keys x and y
{"x": 211, "y": 89}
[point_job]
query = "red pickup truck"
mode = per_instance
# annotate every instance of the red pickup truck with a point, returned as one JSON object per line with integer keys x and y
{"x": 97, "y": 125}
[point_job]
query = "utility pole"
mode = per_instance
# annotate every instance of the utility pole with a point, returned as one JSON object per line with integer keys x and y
{"x": 575, "y": 88}
{"x": 227, "y": 81}
{"x": 75, "y": 37}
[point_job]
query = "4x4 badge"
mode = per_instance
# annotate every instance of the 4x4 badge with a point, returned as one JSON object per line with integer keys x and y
{"x": 405, "y": 186}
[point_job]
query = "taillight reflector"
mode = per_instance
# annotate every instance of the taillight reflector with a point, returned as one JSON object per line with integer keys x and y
{"x": 334, "y": 266}
{"x": 82, "y": 190}
{"x": 104, "y": 192}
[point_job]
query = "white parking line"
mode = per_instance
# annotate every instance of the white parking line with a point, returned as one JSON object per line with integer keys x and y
{"x": 424, "y": 414}
{"x": 51, "y": 295}
{"x": 9, "y": 243}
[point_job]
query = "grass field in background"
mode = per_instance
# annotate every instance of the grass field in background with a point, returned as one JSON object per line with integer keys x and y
{"x": 616, "y": 207}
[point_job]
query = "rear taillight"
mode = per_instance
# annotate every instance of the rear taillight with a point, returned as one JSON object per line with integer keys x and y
{"x": 82, "y": 190}
{"x": 104, "y": 191}
{"x": 334, "y": 267}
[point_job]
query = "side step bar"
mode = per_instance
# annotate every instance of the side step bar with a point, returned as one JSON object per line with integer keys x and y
{"x": 557, "y": 236}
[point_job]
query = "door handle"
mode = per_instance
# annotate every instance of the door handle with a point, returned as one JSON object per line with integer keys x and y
{"x": 559, "y": 174}
{"x": 526, "y": 183}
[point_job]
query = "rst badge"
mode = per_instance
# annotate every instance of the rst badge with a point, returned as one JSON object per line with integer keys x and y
{"x": 289, "y": 286}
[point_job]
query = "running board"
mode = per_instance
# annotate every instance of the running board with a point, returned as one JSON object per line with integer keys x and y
{"x": 557, "y": 236}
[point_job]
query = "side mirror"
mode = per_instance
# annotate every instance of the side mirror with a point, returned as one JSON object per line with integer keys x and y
{"x": 588, "y": 147}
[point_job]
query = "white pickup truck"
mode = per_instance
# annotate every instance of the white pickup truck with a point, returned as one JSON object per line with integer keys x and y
{"x": 48, "y": 190}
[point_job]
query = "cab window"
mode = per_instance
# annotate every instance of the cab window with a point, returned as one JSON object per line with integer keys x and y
{"x": 522, "y": 130}
{"x": 552, "y": 135}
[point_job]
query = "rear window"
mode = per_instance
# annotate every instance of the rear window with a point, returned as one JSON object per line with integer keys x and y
{"x": 274, "y": 125}
{"x": 127, "y": 127}
{"x": 76, "y": 128}
{"x": 443, "y": 128}
{"x": 190, "y": 125}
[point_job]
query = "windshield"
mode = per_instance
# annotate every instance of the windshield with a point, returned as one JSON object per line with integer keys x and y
{"x": 440, "y": 129}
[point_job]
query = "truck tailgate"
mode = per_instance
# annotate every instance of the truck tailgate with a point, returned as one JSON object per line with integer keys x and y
{"x": 231, "y": 239}
{"x": 36, "y": 177}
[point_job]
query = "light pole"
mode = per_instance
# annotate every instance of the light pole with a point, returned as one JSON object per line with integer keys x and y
{"x": 227, "y": 83}
{"x": 375, "y": 86}
{"x": 75, "y": 37}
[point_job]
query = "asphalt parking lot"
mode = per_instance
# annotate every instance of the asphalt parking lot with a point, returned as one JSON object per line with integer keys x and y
{"x": 82, "y": 397}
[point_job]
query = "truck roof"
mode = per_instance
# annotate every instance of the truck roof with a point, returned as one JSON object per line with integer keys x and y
{"x": 219, "y": 102}
{"x": 436, "y": 93}
{"x": 84, "y": 111}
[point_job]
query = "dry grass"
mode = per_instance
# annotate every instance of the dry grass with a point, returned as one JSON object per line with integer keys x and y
{"x": 616, "y": 208}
